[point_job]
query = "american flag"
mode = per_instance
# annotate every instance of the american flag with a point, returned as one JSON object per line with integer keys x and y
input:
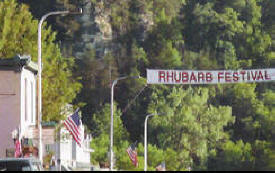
{"x": 74, "y": 126}
{"x": 18, "y": 149}
{"x": 132, "y": 153}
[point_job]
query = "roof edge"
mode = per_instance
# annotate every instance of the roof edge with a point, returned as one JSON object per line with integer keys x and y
{"x": 18, "y": 62}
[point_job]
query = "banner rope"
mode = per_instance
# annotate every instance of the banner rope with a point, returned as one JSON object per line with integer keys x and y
{"x": 129, "y": 104}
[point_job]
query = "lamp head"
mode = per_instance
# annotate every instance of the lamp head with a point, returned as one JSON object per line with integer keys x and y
{"x": 136, "y": 77}
{"x": 77, "y": 11}
{"x": 80, "y": 10}
{"x": 161, "y": 114}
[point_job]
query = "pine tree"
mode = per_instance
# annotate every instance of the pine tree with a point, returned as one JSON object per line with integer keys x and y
{"x": 190, "y": 126}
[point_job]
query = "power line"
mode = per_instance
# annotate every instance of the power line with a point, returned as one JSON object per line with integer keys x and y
{"x": 129, "y": 104}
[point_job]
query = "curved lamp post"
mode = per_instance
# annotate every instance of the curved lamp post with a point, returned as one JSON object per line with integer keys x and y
{"x": 145, "y": 139}
{"x": 40, "y": 72}
{"x": 112, "y": 117}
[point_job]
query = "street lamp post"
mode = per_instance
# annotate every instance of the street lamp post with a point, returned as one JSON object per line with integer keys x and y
{"x": 40, "y": 72}
{"x": 145, "y": 139}
{"x": 112, "y": 117}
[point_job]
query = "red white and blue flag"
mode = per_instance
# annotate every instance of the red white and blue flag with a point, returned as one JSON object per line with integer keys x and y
{"x": 132, "y": 153}
{"x": 74, "y": 126}
{"x": 18, "y": 149}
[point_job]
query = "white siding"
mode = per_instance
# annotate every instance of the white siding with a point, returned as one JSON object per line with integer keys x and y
{"x": 69, "y": 152}
{"x": 28, "y": 101}
{"x": 82, "y": 155}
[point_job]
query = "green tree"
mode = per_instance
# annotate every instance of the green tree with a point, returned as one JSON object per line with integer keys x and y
{"x": 18, "y": 30}
{"x": 162, "y": 43}
{"x": 95, "y": 76}
{"x": 254, "y": 121}
{"x": 101, "y": 132}
{"x": 234, "y": 157}
{"x": 102, "y": 118}
{"x": 191, "y": 127}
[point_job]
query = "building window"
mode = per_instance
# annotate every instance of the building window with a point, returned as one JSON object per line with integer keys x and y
{"x": 48, "y": 148}
{"x": 26, "y": 100}
{"x": 32, "y": 104}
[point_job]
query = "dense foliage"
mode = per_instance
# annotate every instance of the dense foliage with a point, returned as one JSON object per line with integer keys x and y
{"x": 217, "y": 127}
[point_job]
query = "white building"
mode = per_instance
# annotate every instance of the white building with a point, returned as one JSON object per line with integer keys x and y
{"x": 17, "y": 100}
{"x": 18, "y": 114}
{"x": 69, "y": 152}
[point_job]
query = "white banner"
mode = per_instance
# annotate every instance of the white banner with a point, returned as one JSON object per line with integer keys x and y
{"x": 209, "y": 77}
